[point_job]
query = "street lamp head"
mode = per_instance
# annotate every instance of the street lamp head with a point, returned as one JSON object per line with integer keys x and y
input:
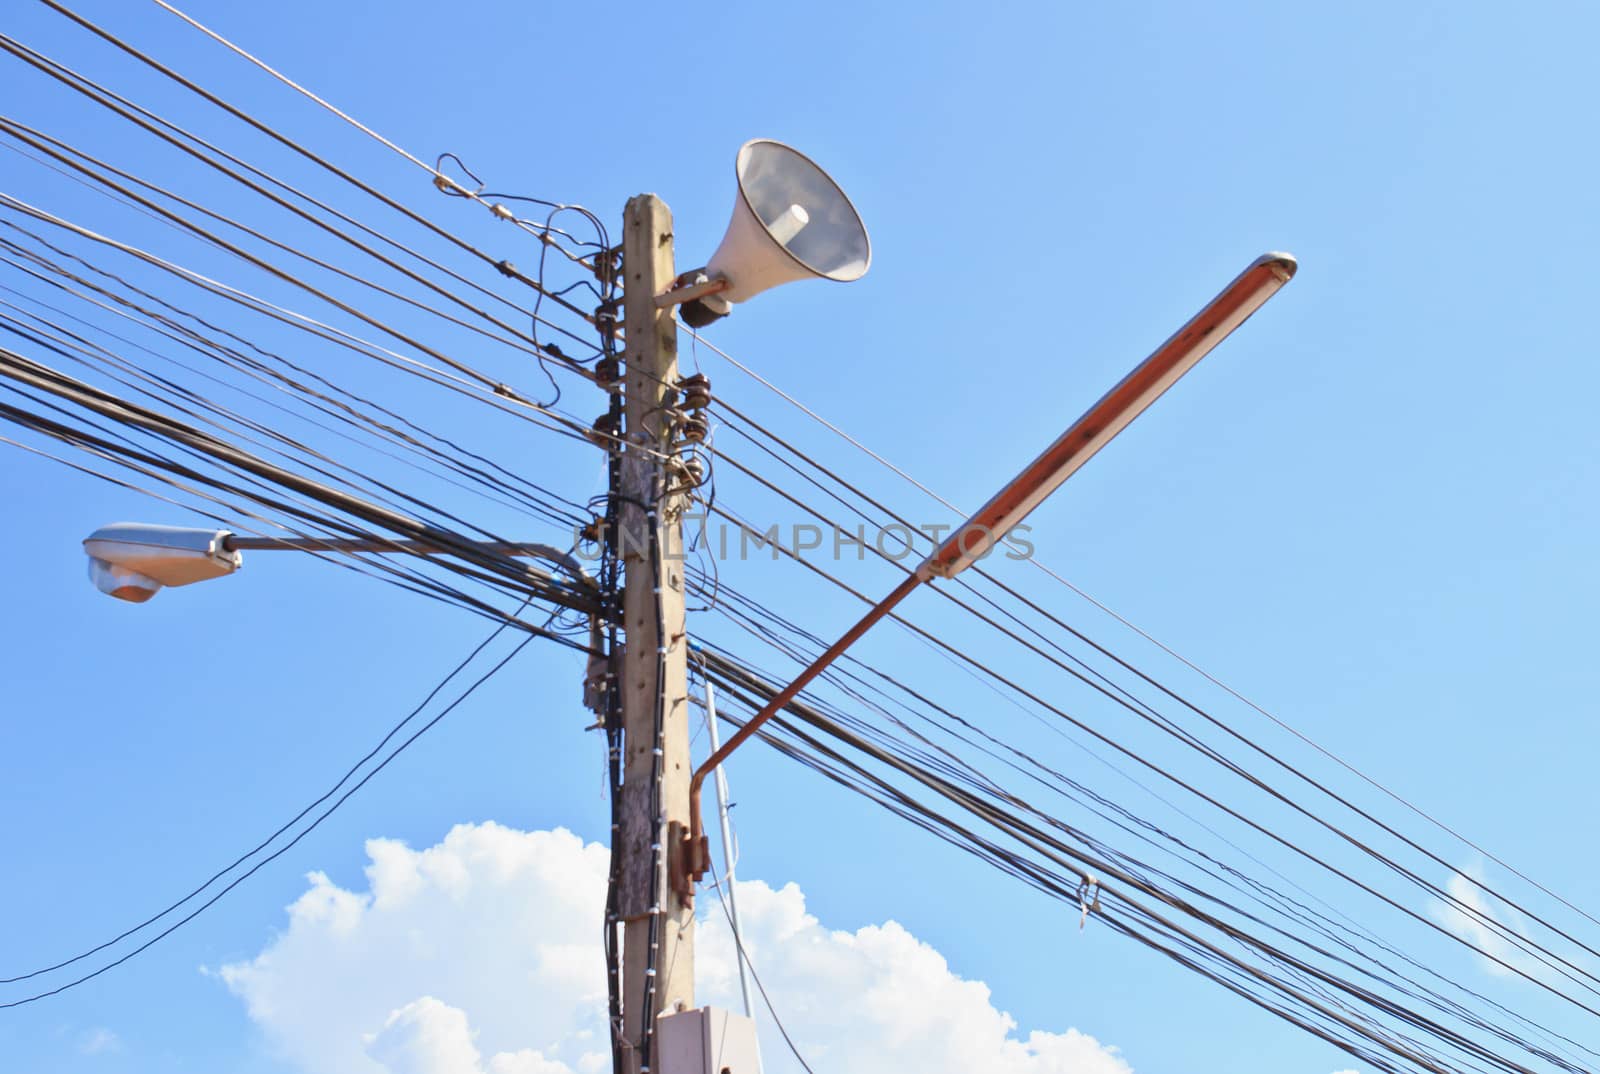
{"x": 791, "y": 221}
{"x": 132, "y": 561}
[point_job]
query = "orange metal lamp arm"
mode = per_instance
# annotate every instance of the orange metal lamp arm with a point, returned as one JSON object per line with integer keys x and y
{"x": 1103, "y": 421}
{"x": 1108, "y": 417}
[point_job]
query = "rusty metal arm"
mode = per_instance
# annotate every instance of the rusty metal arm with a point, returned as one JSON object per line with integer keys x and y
{"x": 698, "y": 853}
{"x": 974, "y": 539}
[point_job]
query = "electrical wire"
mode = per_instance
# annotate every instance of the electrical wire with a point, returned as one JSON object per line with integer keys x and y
{"x": 281, "y": 850}
{"x": 744, "y": 956}
{"x": 1121, "y": 620}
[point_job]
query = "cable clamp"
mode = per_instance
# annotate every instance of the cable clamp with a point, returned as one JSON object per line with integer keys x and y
{"x": 1088, "y": 898}
{"x": 449, "y": 186}
{"x": 502, "y": 212}
{"x": 506, "y": 268}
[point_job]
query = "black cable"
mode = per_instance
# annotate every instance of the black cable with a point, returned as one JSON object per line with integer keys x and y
{"x": 276, "y": 854}
{"x": 347, "y": 409}
{"x": 1567, "y": 969}
{"x": 280, "y": 138}
{"x": 506, "y": 400}
{"x": 128, "y": 109}
{"x": 153, "y": 465}
{"x": 59, "y": 149}
{"x": 744, "y": 956}
{"x": 330, "y": 792}
{"x": 1364, "y": 1031}
{"x": 1209, "y": 717}
{"x": 978, "y": 570}
{"x": 17, "y": 367}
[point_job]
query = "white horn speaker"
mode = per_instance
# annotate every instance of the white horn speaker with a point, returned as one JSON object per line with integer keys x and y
{"x": 790, "y": 222}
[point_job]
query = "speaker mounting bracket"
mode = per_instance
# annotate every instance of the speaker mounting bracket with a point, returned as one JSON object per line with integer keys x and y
{"x": 687, "y": 292}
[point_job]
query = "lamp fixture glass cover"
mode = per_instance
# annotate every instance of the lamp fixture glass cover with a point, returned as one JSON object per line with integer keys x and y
{"x": 132, "y": 561}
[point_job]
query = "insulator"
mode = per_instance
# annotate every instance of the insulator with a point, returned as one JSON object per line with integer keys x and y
{"x": 693, "y": 430}
{"x": 607, "y": 263}
{"x": 696, "y": 391}
{"x": 607, "y": 371}
{"x": 604, "y": 431}
{"x": 689, "y": 473}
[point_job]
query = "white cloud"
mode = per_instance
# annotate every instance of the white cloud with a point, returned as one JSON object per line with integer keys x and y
{"x": 1473, "y": 917}
{"x": 99, "y": 1041}
{"x": 425, "y": 1037}
{"x": 430, "y": 1037}
{"x": 480, "y": 955}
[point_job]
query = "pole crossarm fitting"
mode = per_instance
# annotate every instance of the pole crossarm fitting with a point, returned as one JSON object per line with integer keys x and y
{"x": 978, "y": 535}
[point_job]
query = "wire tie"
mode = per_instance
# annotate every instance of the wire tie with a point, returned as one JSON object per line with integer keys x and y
{"x": 1085, "y": 904}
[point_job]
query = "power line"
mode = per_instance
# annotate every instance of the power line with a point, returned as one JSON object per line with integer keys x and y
{"x": 193, "y": 145}
{"x": 347, "y": 409}
{"x": 741, "y": 686}
{"x": 928, "y": 759}
{"x": 744, "y": 956}
{"x": 285, "y": 141}
{"x": 1567, "y": 968}
{"x": 287, "y": 846}
{"x": 1282, "y": 724}
{"x": 63, "y": 153}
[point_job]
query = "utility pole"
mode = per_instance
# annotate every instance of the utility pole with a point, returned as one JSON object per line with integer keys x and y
{"x": 658, "y": 920}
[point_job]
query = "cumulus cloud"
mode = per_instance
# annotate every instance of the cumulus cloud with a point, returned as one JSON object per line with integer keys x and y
{"x": 1473, "y": 916}
{"x": 430, "y": 1037}
{"x": 480, "y": 955}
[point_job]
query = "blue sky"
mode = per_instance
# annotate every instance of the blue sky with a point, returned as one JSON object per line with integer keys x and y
{"x": 1372, "y": 511}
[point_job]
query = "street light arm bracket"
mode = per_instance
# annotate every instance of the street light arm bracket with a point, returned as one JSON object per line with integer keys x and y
{"x": 1111, "y": 414}
{"x": 1103, "y": 421}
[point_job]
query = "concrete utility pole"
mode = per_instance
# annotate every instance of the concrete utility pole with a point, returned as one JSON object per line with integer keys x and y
{"x": 658, "y": 934}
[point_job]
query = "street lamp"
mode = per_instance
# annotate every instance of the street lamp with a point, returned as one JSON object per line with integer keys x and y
{"x": 978, "y": 535}
{"x": 133, "y": 561}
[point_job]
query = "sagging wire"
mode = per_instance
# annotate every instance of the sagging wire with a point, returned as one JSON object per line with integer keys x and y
{"x": 192, "y": 145}
{"x": 495, "y": 202}
{"x": 315, "y": 823}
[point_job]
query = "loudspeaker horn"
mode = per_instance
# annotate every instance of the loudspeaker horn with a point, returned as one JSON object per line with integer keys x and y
{"x": 790, "y": 222}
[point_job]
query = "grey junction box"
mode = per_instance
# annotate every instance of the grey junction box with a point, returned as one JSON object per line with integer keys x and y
{"x": 707, "y": 1040}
